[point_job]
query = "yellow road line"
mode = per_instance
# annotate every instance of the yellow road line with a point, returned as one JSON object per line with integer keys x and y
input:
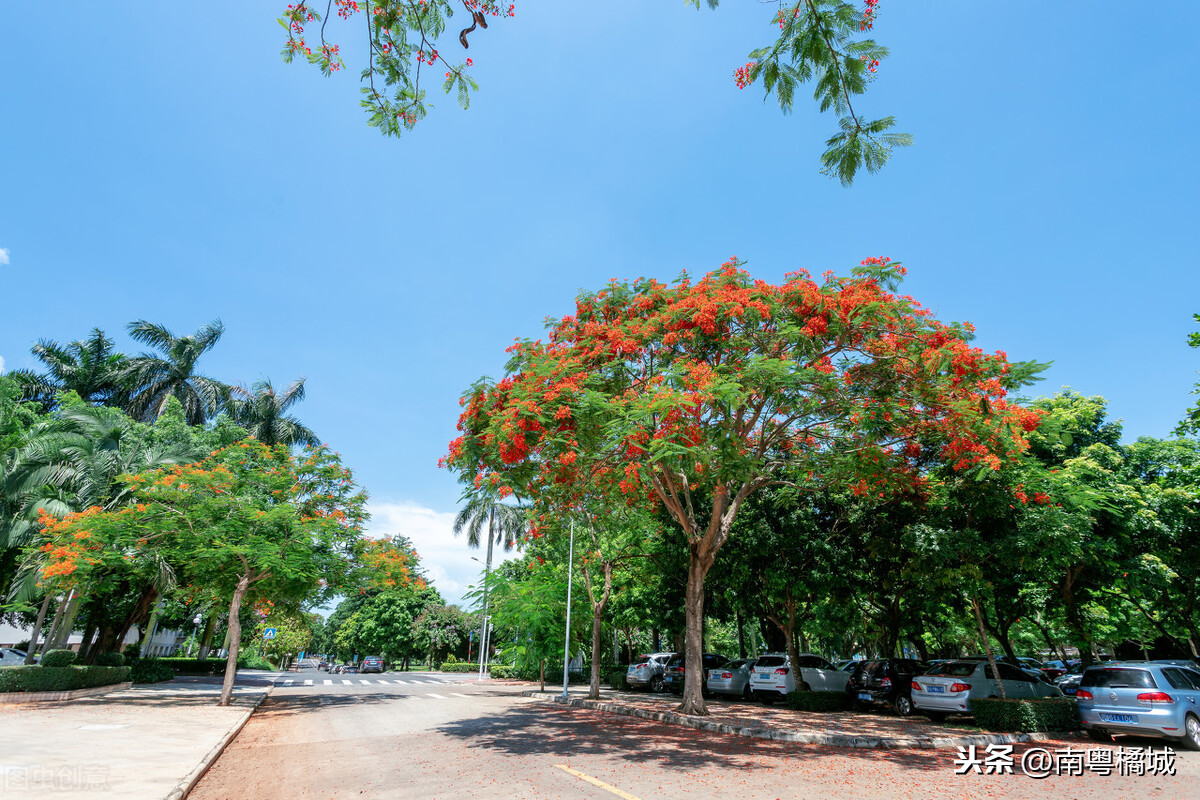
{"x": 597, "y": 782}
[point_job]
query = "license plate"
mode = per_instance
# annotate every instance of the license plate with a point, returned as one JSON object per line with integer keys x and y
{"x": 1128, "y": 719}
{"x": 864, "y": 696}
{"x": 935, "y": 689}
{"x": 632, "y": 670}
{"x": 1069, "y": 690}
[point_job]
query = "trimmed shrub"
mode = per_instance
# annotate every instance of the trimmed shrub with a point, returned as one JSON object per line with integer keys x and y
{"x": 1049, "y": 714}
{"x": 110, "y": 660}
{"x": 132, "y": 652}
{"x": 818, "y": 701}
{"x": 59, "y": 679}
{"x": 458, "y": 666}
{"x": 150, "y": 670}
{"x": 58, "y": 658}
{"x": 617, "y": 678}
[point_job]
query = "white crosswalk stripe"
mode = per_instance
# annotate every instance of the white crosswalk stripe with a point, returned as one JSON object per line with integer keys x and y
{"x": 288, "y": 682}
{"x": 347, "y": 683}
{"x": 460, "y": 694}
{"x": 329, "y": 683}
{"x": 400, "y": 683}
{"x": 368, "y": 682}
{"x": 438, "y": 696}
{"x": 308, "y": 683}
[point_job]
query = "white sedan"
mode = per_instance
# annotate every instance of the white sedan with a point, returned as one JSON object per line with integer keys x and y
{"x": 774, "y": 676}
{"x": 950, "y": 687}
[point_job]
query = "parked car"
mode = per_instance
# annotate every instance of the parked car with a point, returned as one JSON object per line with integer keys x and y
{"x": 647, "y": 671}
{"x": 732, "y": 678}
{"x": 847, "y": 664}
{"x": 1141, "y": 699}
{"x": 774, "y": 676}
{"x": 673, "y": 671}
{"x": 1031, "y": 667}
{"x": 949, "y": 688}
{"x": 1054, "y": 670}
{"x": 1068, "y": 682}
{"x": 371, "y": 664}
{"x": 885, "y": 681}
{"x": 12, "y": 657}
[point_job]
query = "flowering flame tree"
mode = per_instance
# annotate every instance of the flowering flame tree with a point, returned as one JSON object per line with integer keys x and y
{"x": 247, "y": 519}
{"x": 696, "y": 394}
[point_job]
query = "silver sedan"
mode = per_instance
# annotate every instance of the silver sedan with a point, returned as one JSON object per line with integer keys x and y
{"x": 732, "y": 679}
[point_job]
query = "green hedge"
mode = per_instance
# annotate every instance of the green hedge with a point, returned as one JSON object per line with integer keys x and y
{"x": 58, "y": 658}
{"x": 59, "y": 679}
{"x": 194, "y": 666}
{"x": 150, "y": 670}
{"x": 1050, "y": 714}
{"x": 818, "y": 701}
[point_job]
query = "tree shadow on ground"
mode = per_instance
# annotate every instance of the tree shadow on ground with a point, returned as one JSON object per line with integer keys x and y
{"x": 538, "y": 729}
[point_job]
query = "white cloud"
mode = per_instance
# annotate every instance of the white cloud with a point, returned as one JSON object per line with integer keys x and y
{"x": 1, "y": 364}
{"x": 445, "y": 557}
{"x": 3, "y": 256}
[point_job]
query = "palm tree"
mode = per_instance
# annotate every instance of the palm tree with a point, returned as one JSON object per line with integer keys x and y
{"x": 155, "y": 378}
{"x": 504, "y": 524}
{"x": 263, "y": 413}
{"x": 91, "y": 368}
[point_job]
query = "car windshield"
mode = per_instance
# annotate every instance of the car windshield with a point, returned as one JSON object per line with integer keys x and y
{"x": 771, "y": 661}
{"x": 954, "y": 669}
{"x": 1118, "y": 677}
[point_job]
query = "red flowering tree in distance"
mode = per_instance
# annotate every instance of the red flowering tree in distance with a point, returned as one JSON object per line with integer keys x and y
{"x": 696, "y": 394}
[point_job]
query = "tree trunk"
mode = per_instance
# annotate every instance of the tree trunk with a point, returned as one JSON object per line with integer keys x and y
{"x": 37, "y": 629}
{"x": 699, "y": 561}
{"x": 597, "y": 618}
{"x": 210, "y": 628}
{"x": 48, "y": 642}
{"x": 68, "y": 623}
{"x": 151, "y": 629}
{"x": 235, "y": 639}
{"x": 987, "y": 646}
{"x": 137, "y": 615}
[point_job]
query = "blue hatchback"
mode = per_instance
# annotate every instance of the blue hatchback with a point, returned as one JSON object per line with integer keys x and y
{"x": 1141, "y": 698}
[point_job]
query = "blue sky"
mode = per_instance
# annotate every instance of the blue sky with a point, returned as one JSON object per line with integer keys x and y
{"x": 165, "y": 164}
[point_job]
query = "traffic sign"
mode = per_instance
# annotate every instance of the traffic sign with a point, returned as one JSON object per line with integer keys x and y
{"x": 269, "y": 633}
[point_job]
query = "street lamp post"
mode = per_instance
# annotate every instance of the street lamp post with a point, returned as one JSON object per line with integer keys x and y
{"x": 567, "y": 646}
{"x": 483, "y": 625}
{"x": 195, "y": 627}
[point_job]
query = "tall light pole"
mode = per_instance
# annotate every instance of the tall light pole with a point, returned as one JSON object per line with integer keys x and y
{"x": 567, "y": 646}
{"x": 483, "y": 625}
{"x": 195, "y": 626}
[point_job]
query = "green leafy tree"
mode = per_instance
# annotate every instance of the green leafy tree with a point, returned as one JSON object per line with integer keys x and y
{"x": 440, "y": 629}
{"x": 820, "y": 42}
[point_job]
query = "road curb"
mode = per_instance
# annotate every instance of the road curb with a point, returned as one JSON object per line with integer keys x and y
{"x": 192, "y": 778}
{"x": 829, "y": 739}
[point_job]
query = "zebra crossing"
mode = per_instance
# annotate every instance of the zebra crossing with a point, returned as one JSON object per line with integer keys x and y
{"x": 339, "y": 682}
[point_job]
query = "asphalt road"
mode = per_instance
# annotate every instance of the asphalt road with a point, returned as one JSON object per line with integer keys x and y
{"x": 423, "y": 735}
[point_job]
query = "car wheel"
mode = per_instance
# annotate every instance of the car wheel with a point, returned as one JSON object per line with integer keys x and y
{"x": 1191, "y": 737}
{"x": 1098, "y": 735}
{"x": 656, "y": 684}
{"x": 935, "y": 716}
{"x": 904, "y": 705}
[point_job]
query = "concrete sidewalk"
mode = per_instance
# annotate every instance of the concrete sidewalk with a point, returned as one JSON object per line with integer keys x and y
{"x": 148, "y": 742}
{"x": 837, "y": 729}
